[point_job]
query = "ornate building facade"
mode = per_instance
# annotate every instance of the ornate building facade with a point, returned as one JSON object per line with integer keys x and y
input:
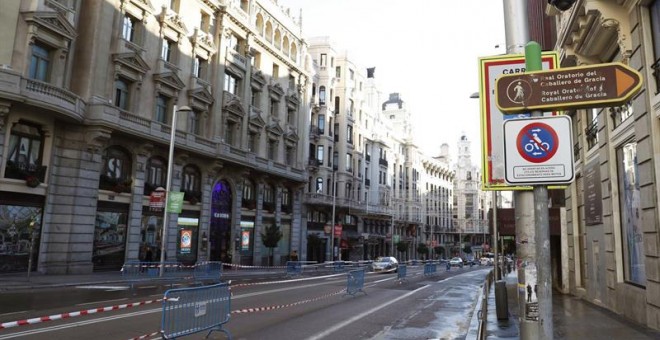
{"x": 87, "y": 98}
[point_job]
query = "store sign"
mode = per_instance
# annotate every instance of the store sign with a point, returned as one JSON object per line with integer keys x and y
{"x": 157, "y": 200}
{"x": 175, "y": 203}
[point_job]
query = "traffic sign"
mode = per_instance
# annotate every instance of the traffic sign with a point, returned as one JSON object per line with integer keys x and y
{"x": 568, "y": 88}
{"x": 538, "y": 151}
{"x": 537, "y": 142}
{"x": 492, "y": 141}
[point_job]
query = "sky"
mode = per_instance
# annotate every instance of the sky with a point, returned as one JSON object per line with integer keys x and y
{"x": 426, "y": 50}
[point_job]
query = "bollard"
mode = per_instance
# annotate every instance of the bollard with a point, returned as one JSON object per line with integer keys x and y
{"x": 501, "y": 300}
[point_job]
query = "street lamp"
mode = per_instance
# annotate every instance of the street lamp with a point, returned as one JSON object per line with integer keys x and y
{"x": 168, "y": 183}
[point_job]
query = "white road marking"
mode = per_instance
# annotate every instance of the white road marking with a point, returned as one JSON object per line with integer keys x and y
{"x": 383, "y": 280}
{"x": 19, "y": 312}
{"x": 104, "y": 287}
{"x": 362, "y": 315}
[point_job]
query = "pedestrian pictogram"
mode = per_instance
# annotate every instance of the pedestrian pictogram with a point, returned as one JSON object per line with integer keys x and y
{"x": 537, "y": 142}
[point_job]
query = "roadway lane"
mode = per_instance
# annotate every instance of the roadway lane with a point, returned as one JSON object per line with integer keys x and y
{"x": 389, "y": 310}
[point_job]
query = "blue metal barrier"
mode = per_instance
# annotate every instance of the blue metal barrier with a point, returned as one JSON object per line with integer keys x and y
{"x": 429, "y": 269}
{"x": 208, "y": 271}
{"x": 191, "y": 310}
{"x": 401, "y": 272}
{"x": 293, "y": 268}
{"x": 339, "y": 266}
{"x": 355, "y": 282}
{"x": 448, "y": 266}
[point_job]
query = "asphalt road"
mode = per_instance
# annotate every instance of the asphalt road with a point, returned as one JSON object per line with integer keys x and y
{"x": 309, "y": 307}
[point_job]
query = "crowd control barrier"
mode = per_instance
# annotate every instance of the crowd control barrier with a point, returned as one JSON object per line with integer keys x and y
{"x": 192, "y": 310}
{"x": 207, "y": 271}
{"x": 429, "y": 269}
{"x": 293, "y": 268}
{"x": 134, "y": 269}
{"x": 339, "y": 266}
{"x": 401, "y": 272}
{"x": 355, "y": 282}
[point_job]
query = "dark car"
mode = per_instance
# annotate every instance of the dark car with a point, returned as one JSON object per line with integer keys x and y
{"x": 385, "y": 264}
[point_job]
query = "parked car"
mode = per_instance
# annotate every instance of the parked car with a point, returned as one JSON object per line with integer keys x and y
{"x": 385, "y": 264}
{"x": 456, "y": 262}
{"x": 486, "y": 261}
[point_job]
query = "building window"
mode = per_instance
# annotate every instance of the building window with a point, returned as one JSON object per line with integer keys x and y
{"x": 200, "y": 66}
{"x": 319, "y": 185}
{"x": 272, "y": 149}
{"x": 290, "y": 116}
{"x": 122, "y": 93}
{"x": 351, "y": 74}
{"x": 161, "y": 109}
{"x": 273, "y": 107}
{"x": 269, "y": 194}
{"x": 591, "y": 132}
{"x": 39, "y": 62}
{"x": 117, "y": 168}
{"x": 194, "y": 124}
{"x": 320, "y": 153}
{"x": 322, "y": 95}
{"x": 338, "y": 72}
{"x": 349, "y": 134}
{"x": 128, "y": 28}
{"x": 276, "y": 71}
{"x": 289, "y": 156}
{"x": 167, "y": 52}
{"x": 321, "y": 123}
{"x": 252, "y": 142}
{"x": 191, "y": 183}
{"x": 231, "y": 83}
{"x": 156, "y": 174}
{"x": 324, "y": 59}
{"x": 286, "y": 200}
{"x": 349, "y": 162}
{"x": 248, "y": 200}
{"x": 631, "y": 223}
{"x": 337, "y": 105}
{"x": 25, "y": 149}
{"x": 205, "y": 22}
{"x": 655, "y": 32}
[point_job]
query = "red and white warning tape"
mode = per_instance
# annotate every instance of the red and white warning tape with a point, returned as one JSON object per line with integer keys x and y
{"x": 267, "y": 308}
{"x": 238, "y": 266}
{"x": 145, "y": 336}
{"x": 73, "y": 314}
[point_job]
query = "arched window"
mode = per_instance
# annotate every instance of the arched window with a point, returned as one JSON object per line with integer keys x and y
{"x": 322, "y": 95}
{"x": 294, "y": 52}
{"x": 285, "y": 205}
{"x": 319, "y": 185}
{"x": 285, "y": 45}
{"x": 156, "y": 175}
{"x": 25, "y": 152}
{"x": 269, "y": 31}
{"x": 260, "y": 25}
{"x": 117, "y": 167}
{"x": 277, "y": 40}
{"x": 269, "y": 197}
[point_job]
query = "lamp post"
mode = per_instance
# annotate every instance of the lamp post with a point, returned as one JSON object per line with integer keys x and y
{"x": 168, "y": 183}
{"x": 334, "y": 206}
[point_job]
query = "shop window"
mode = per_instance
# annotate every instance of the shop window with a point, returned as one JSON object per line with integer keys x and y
{"x": 110, "y": 229}
{"x": 632, "y": 234}
{"x": 17, "y": 225}
{"x": 25, "y": 152}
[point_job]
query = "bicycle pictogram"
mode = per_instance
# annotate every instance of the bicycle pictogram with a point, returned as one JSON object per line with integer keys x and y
{"x": 537, "y": 142}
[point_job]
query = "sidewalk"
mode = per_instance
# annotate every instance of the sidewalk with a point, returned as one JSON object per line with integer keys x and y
{"x": 573, "y": 318}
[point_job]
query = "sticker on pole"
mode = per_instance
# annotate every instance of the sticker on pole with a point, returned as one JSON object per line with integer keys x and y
{"x": 538, "y": 151}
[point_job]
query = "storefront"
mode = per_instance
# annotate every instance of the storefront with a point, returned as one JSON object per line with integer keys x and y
{"x": 110, "y": 236}
{"x": 20, "y": 222}
{"x": 187, "y": 236}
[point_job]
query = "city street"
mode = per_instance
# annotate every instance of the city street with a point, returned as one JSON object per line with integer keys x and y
{"x": 273, "y": 307}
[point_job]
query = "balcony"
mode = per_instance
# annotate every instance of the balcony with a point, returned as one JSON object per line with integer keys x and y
{"x": 313, "y": 164}
{"x": 23, "y": 171}
{"x": 314, "y": 132}
{"x": 382, "y": 162}
{"x": 237, "y": 59}
{"x": 42, "y": 94}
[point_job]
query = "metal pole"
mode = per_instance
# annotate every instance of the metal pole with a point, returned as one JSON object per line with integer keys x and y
{"x": 517, "y": 35}
{"x": 334, "y": 202}
{"x": 168, "y": 183}
{"x": 543, "y": 287}
{"x": 494, "y": 242}
{"x": 166, "y": 215}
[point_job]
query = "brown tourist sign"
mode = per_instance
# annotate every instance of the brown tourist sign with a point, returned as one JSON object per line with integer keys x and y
{"x": 598, "y": 85}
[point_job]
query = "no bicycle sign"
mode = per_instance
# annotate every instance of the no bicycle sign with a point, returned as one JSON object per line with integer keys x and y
{"x": 538, "y": 151}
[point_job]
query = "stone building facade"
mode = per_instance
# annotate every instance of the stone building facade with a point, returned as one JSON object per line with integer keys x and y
{"x": 613, "y": 239}
{"x": 87, "y": 98}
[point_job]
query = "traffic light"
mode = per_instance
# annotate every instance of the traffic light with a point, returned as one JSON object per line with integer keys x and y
{"x": 561, "y": 5}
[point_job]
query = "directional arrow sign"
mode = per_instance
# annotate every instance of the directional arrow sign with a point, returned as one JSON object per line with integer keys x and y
{"x": 568, "y": 88}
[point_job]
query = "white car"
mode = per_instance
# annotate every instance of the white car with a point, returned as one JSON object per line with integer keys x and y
{"x": 456, "y": 262}
{"x": 385, "y": 264}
